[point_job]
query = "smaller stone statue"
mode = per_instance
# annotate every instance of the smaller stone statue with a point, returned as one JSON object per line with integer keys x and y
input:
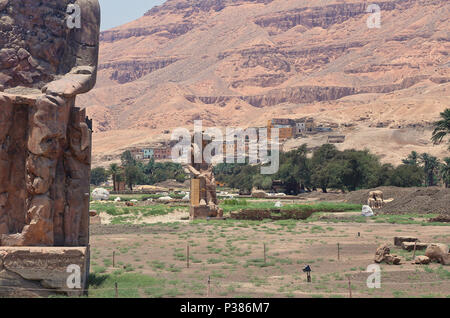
{"x": 376, "y": 200}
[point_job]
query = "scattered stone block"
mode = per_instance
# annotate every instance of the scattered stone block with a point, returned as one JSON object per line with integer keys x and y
{"x": 95, "y": 220}
{"x": 100, "y": 194}
{"x": 441, "y": 218}
{"x": 41, "y": 271}
{"x": 383, "y": 255}
{"x": 422, "y": 260}
{"x": 205, "y": 212}
{"x": 259, "y": 194}
{"x": 409, "y": 246}
{"x": 398, "y": 240}
{"x": 438, "y": 252}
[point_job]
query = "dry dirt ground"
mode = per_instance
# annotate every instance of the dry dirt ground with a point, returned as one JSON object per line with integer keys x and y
{"x": 231, "y": 253}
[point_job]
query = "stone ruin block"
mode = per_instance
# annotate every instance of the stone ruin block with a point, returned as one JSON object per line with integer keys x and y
{"x": 409, "y": 246}
{"x": 42, "y": 271}
{"x": 45, "y": 143}
{"x": 61, "y": 215}
{"x": 398, "y": 240}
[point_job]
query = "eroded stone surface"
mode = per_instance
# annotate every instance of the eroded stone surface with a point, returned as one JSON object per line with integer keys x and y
{"x": 439, "y": 253}
{"x": 409, "y": 246}
{"x": 398, "y": 240}
{"x": 422, "y": 260}
{"x": 40, "y": 271}
{"x": 45, "y": 141}
{"x": 383, "y": 255}
{"x": 204, "y": 202}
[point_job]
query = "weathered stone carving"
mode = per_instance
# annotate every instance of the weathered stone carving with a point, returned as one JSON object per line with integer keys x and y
{"x": 383, "y": 255}
{"x": 40, "y": 271}
{"x": 45, "y": 142}
{"x": 204, "y": 202}
{"x": 376, "y": 200}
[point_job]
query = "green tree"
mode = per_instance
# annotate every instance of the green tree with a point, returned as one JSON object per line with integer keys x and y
{"x": 412, "y": 159}
{"x": 362, "y": 169}
{"x": 114, "y": 171}
{"x": 267, "y": 183}
{"x": 127, "y": 159}
{"x": 180, "y": 177}
{"x": 321, "y": 174}
{"x": 441, "y": 127}
{"x": 98, "y": 176}
{"x": 132, "y": 171}
{"x": 385, "y": 173}
{"x": 295, "y": 170}
{"x": 406, "y": 175}
{"x": 132, "y": 175}
{"x": 430, "y": 166}
{"x": 155, "y": 172}
{"x": 337, "y": 169}
{"x": 148, "y": 170}
{"x": 445, "y": 172}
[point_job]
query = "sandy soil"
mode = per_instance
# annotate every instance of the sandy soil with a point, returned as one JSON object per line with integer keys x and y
{"x": 176, "y": 216}
{"x": 232, "y": 254}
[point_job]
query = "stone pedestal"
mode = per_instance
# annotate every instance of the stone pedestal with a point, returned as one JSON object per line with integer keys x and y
{"x": 204, "y": 212}
{"x": 42, "y": 271}
{"x": 199, "y": 196}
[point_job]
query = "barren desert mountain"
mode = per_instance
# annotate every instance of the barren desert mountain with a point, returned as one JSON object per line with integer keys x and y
{"x": 243, "y": 62}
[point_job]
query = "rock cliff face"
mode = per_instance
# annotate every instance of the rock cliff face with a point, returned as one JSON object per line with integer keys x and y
{"x": 306, "y": 94}
{"x": 129, "y": 71}
{"x": 323, "y": 16}
{"x": 169, "y": 31}
{"x": 241, "y": 62}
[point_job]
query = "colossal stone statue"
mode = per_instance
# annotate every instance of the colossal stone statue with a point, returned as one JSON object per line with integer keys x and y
{"x": 204, "y": 202}
{"x": 45, "y": 143}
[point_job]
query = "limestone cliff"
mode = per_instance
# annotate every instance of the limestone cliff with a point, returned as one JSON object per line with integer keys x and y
{"x": 241, "y": 62}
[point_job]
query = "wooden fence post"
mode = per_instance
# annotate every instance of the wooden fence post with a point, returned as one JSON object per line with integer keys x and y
{"x": 265, "y": 253}
{"x": 187, "y": 256}
{"x": 350, "y": 286}
{"x": 208, "y": 292}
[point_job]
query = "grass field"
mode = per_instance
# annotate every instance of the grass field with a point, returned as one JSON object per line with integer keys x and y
{"x": 122, "y": 214}
{"x": 151, "y": 259}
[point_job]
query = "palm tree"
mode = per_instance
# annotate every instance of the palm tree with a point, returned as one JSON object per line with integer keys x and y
{"x": 441, "y": 127}
{"x": 412, "y": 159}
{"x": 114, "y": 171}
{"x": 445, "y": 172}
{"x": 430, "y": 165}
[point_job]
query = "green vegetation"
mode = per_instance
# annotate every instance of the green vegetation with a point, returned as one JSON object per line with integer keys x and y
{"x": 237, "y": 204}
{"x": 125, "y": 214}
{"x": 442, "y": 127}
{"x": 134, "y": 172}
{"x": 232, "y": 254}
{"x": 130, "y": 285}
{"x": 98, "y": 176}
{"x": 329, "y": 168}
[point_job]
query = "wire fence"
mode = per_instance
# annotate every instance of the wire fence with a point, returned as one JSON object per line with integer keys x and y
{"x": 215, "y": 287}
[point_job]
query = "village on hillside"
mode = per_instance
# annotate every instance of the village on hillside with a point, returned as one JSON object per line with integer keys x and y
{"x": 287, "y": 129}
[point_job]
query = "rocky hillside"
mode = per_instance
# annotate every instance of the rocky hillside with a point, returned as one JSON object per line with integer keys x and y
{"x": 241, "y": 62}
